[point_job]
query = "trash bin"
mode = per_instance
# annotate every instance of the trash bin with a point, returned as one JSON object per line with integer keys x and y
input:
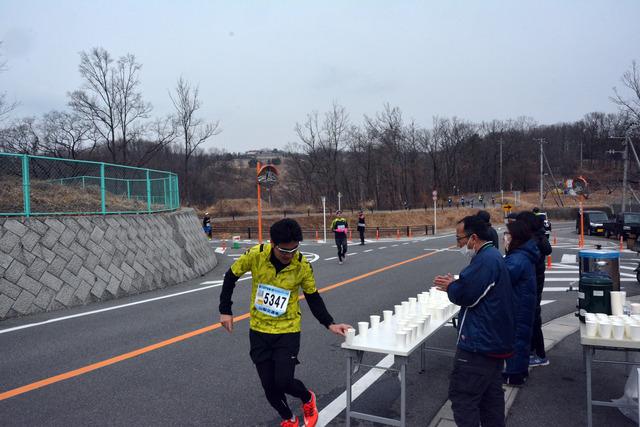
{"x": 601, "y": 260}
{"x": 594, "y": 294}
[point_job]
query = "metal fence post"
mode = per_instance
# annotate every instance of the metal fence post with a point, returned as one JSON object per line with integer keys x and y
{"x": 164, "y": 192}
{"x": 26, "y": 189}
{"x": 103, "y": 197}
{"x": 177, "y": 194}
{"x": 148, "y": 193}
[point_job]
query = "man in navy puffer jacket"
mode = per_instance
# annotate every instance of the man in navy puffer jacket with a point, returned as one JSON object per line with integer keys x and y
{"x": 486, "y": 329}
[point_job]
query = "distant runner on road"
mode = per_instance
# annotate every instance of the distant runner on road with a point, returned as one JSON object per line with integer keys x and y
{"x": 340, "y": 229}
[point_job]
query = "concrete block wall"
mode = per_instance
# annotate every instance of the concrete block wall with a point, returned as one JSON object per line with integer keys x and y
{"x": 58, "y": 262}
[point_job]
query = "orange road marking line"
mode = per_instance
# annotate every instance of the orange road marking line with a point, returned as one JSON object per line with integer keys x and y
{"x": 94, "y": 366}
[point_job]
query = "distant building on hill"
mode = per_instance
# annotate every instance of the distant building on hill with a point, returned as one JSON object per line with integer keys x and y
{"x": 264, "y": 156}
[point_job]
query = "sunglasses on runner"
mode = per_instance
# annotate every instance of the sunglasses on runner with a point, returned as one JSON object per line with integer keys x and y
{"x": 288, "y": 251}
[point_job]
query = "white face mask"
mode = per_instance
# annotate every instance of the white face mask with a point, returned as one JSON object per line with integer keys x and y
{"x": 469, "y": 253}
{"x": 506, "y": 240}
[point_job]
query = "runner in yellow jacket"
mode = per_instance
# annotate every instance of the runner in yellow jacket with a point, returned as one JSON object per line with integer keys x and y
{"x": 279, "y": 271}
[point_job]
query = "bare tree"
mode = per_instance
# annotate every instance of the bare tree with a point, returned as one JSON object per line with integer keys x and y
{"x": 193, "y": 131}
{"x": 631, "y": 105}
{"x": 5, "y": 106}
{"x": 21, "y": 137}
{"x": 130, "y": 105}
{"x": 109, "y": 99}
{"x": 63, "y": 134}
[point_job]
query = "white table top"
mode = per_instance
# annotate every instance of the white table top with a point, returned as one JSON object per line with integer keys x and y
{"x": 383, "y": 340}
{"x": 606, "y": 342}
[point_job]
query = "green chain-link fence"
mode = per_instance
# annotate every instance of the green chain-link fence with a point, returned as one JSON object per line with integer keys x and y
{"x": 37, "y": 185}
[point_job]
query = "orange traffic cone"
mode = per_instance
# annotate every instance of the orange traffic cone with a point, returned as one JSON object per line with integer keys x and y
{"x": 316, "y": 235}
{"x": 377, "y": 234}
{"x": 549, "y": 267}
{"x": 397, "y": 234}
{"x": 555, "y": 241}
{"x": 621, "y": 244}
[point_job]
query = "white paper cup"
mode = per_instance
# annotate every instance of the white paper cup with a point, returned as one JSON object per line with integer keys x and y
{"x": 604, "y": 329}
{"x": 635, "y": 308}
{"x": 387, "y": 315}
{"x": 349, "y": 336}
{"x": 591, "y": 328}
{"x": 635, "y": 331}
{"x": 617, "y": 302}
{"x": 401, "y": 339}
{"x": 618, "y": 331}
{"x": 590, "y": 316}
{"x": 375, "y": 321}
{"x": 397, "y": 309}
{"x": 363, "y": 327}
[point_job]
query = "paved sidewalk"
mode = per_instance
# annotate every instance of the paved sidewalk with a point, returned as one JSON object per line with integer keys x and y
{"x": 554, "y": 332}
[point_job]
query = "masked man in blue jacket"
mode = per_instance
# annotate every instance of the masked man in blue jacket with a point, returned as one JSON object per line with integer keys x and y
{"x": 486, "y": 331}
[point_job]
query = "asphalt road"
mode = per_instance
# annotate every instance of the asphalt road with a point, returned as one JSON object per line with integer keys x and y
{"x": 161, "y": 359}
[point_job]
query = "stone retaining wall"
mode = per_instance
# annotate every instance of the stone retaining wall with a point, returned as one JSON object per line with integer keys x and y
{"x": 58, "y": 262}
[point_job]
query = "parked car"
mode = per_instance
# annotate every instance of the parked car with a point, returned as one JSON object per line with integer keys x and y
{"x": 624, "y": 224}
{"x": 593, "y": 222}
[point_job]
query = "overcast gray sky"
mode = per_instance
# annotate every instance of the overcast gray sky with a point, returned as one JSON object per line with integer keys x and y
{"x": 263, "y": 65}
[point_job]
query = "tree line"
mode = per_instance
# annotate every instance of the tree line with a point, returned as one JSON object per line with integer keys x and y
{"x": 383, "y": 161}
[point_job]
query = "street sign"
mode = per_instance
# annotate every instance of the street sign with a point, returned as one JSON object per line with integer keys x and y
{"x": 435, "y": 198}
{"x": 507, "y": 207}
{"x": 434, "y": 193}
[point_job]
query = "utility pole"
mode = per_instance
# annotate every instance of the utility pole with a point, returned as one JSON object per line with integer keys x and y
{"x": 625, "y": 170}
{"x": 541, "y": 141}
{"x": 625, "y": 159}
{"x": 339, "y": 197}
{"x": 501, "y": 190}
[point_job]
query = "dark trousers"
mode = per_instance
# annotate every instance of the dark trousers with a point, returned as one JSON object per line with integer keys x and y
{"x": 475, "y": 390}
{"x": 341, "y": 243}
{"x": 275, "y": 357}
{"x": 361, "y": 231}
{"x": 537, "y": 338}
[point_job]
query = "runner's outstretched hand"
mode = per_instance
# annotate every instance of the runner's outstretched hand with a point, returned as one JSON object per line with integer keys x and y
{"x": 339, "y": 329}
{"x": 226, "y": 320}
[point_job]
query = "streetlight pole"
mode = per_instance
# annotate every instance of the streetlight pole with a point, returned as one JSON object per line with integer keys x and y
{"x": 339, "y": 197}
{"x": 501, "y": 190}
{"x": 324, "y": 218}
{"x": 541, "y": 141}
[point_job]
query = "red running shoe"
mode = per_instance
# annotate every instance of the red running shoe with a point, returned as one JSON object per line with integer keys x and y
{"x": 289, "y": 423}
{"x": 310, "y": 411}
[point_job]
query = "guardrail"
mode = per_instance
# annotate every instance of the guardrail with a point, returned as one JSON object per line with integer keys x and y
{"x": 40, "y": 185}
{"x": 370, "y": 232}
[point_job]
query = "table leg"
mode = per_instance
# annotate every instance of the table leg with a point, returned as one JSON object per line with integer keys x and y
{"x": 403, "y": 392}
{"x": 587, "y": 352}
{"x": 348, "y": 408}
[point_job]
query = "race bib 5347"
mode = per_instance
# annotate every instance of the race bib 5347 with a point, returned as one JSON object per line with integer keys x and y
{"x": 271, "y": 300}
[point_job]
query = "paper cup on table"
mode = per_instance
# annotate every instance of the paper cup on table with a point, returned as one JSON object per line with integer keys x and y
{"x": 387, "y": 315}
{"x": 591, "y": 328}
{"x": 617, "y": 302}
{"x": 363, "y": 327}
{"x": 618, "y": 331}
{"x": 397, "y": 309}
{"x": 635, "y": 331}
{"x": 401, "y": 339}
{"x": 604, "y": 329}
{"x": 349, "y": 336}
{"x": 375, "y": 321}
